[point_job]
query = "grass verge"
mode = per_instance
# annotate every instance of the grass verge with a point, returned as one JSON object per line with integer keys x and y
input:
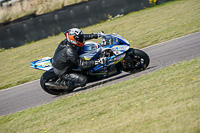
{"x": 163, "y": 101}
{"x": 141, "y": 29}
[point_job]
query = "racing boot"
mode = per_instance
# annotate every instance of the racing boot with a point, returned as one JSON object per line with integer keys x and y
{"x": 74, "y": 80}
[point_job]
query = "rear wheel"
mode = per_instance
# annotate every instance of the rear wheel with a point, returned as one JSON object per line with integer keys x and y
{"x": 47, "y": 80}
{"x": 136, "y": 60}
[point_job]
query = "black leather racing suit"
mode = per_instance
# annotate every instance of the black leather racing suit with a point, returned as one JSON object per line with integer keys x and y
{"x": 66, "y": 58}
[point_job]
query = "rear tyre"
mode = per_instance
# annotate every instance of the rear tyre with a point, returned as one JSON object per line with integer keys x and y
{"x": 51, "y": 77}
{"x": 136, "y": 60}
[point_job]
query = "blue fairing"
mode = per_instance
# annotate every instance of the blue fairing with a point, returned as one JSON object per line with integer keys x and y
{"x": 42, "y": 64}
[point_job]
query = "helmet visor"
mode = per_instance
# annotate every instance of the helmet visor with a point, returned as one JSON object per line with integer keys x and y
{"x": 79, "y": 38}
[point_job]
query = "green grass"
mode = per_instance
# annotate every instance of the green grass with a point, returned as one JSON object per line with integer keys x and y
{"x": 167, "y": 100}
{"x": 141, "y": 29}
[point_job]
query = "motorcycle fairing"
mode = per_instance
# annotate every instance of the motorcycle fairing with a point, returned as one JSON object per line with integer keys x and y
{"x": 43, "y": 64}
{"x": 103, "y": 69}
{"x": 114, "y": 39}
{"x": 90, "y": 50}
{"x": 89, "y": 54}
{"x": 118, "y": 49}
{"x": 115, "y": 59}
{"x": 119, "y": 39}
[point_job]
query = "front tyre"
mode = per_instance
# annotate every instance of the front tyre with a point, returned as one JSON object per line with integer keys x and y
{"x": 136, "y": 60}
{"x": 49, "y": 77}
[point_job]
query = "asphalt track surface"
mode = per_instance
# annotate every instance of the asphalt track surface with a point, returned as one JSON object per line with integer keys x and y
{"x": 30, "y": 94}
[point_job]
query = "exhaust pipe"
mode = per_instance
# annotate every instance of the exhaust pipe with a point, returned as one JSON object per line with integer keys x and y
{"x": 52, "y": 85}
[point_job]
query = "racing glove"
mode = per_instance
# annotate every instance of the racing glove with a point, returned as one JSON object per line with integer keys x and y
{"x": 100, "y": 33}
{"x": 101, "y": 61}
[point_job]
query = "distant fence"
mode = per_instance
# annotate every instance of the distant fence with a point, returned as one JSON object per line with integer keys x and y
{"x": 77, "y": 15}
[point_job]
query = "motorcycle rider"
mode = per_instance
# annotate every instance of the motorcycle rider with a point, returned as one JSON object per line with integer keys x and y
{"x": 66, "y": 57}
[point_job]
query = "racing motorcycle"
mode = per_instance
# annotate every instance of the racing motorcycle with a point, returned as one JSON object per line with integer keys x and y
{"x": 120, "y": 57}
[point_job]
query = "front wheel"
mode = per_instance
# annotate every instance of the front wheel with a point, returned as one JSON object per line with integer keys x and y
{"x": 136, "y": 60}
{"x": 50, "y": 78}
